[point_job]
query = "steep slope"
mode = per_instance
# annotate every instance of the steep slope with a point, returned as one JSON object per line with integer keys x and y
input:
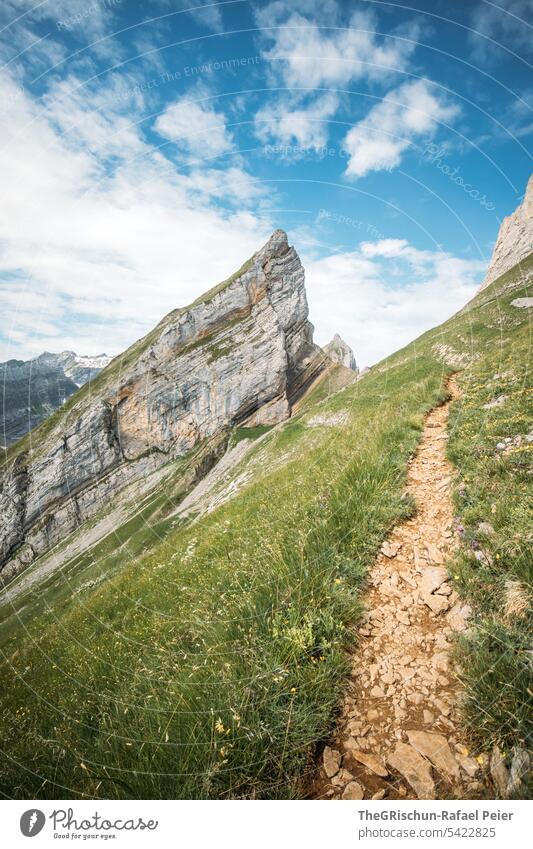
{"x": 243, "y": 352}
{"x": 515, "y": 239}
{"x": 204, "y": 655}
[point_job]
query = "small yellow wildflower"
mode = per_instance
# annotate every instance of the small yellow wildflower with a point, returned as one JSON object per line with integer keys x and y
{"x": 219, "y": 726}
{"x": 293, "y": 689}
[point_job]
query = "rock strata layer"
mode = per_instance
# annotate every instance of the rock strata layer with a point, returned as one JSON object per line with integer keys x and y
{"x": 243, "y": 353}
{"x": 515, "y": 239}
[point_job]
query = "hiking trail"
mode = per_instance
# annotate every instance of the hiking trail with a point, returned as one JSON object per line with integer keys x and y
{"x": 398, "y": 735}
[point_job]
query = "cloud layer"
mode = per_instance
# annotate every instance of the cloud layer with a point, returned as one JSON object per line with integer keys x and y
{"x": 389, "y": 129}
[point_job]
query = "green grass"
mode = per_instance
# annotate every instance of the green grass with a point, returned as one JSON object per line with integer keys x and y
{"x": 241, "y": 433}
{"x": 209, "y": 663}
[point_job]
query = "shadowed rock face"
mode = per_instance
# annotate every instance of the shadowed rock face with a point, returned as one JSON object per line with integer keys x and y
{"x": 30, "y": 390}
{"x": 339, "y": 352}
{"x": 242, "y": 353}
{"x": 515, "y": 239}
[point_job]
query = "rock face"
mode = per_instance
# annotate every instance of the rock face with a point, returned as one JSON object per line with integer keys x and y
{"x": 339, "y": 352}
{"x": 244, "y": 352}
{"x": 32, "y": 389}
{"x": 515, "y": 239}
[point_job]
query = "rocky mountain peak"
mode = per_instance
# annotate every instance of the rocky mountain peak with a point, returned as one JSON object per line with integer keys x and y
{"x": 515, "y": 239}
{"x": 340, "y": 352}
{"x": 242, "y": 353}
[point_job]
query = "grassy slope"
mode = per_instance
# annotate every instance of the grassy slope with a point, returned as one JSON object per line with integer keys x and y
{"x": 208, "y": 665}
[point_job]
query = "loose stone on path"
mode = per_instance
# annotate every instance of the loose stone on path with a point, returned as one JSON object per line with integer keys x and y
{"x": 400, "y": 717}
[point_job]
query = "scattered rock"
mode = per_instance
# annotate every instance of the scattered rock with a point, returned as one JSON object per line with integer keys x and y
{"x": 522, "y": 303}
{"x": 434, "y": 553}
{"x": 353, "y": 790}
{"x": 379, "y": 795}
{"x": 390, "y": 549}
{"x": 432, "y": 578}
{"x": 342, "y": 778}
{"x": 458, "y": 616}
{"x": 436, "y": 748}
{"x": 440, "y": 661}
{"x": 468, "y": 765}
{"x": 332, "y": 761}
{"x": 441, "y": 706}
{"x": 373, "y": 763}
{"x": 409, "y": 763}
{"x": 496, "y": 402}
{"x": 499, "y": 772}
{"x": 520, "y": 766}
{"x": 437, "y": 603}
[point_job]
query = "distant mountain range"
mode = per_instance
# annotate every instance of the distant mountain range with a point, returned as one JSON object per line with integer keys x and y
{"x": 32, "y": 389}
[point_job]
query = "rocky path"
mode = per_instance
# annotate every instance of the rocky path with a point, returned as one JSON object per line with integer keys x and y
{"x": 398, "y": 734}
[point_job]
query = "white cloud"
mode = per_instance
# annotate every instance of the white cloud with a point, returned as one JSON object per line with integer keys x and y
{"x": 390, "y": 292}
{"x": 379, "y": 140}
{"x": 99, "y": 241}
{"x": 301, "y": 127}
{"x": 196, "y": 126}
{"x": 307, "y": 56}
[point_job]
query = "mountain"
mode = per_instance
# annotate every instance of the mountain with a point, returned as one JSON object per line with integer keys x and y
{"x": 30, "y": 390}
{"x": 192, "y": 638}
{"x": 340, "y": 352}
{"x": 242, "y": 354}
{"x": 515, "y": 239}
{"x": 80, "y": 368}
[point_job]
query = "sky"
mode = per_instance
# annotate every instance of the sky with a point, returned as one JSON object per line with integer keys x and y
{"x": 149, "y": 147}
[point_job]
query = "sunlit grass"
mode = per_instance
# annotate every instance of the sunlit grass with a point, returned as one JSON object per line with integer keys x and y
{"x": 210, "y": 662}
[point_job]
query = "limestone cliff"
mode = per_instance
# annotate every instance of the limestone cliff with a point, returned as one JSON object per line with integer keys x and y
{"x": 515, "y": 239}
{"x": 243, "y": 352}
{"x": 340, "y": 352}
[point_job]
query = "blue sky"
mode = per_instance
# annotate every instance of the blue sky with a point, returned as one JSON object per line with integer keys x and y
{"x": 150, "y": 147}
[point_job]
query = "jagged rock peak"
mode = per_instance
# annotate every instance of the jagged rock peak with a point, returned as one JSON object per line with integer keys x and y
{"x": 340, "y": 352}
{"x": 243, "y": 352}
{"x": 515, "y": 239}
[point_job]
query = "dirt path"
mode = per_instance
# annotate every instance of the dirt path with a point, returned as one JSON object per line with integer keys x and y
{"x": 397, "y": 735}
